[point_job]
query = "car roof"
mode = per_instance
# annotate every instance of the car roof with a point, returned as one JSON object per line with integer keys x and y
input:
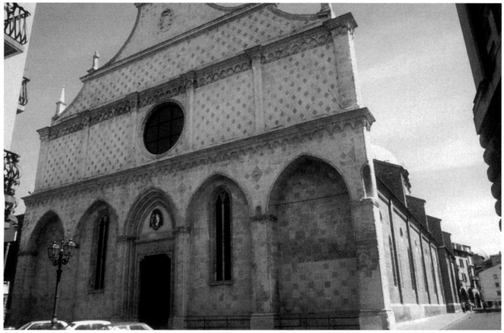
{"x": 90, "y": 321}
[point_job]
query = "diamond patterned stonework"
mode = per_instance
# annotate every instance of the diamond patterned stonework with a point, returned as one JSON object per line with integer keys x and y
{"x": 209, "y": 47}
{"x": 108, "y": 146}
{"x": 63, "y": 162}
{"x": 300, "y": 87}
{"x": 224, "y": 110}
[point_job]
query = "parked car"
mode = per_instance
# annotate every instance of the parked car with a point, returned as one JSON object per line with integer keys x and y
{"x": 129, "y": 326}
{"x": 89, "y": 325}
{"x": 43, "y": 325}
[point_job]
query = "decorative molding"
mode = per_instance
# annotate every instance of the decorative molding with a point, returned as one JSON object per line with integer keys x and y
{"x": 300, "y": 42}
{"x": 234, "y": 150}
{"x": 254, "y": 53}
{"x": 44, "y": 133}
{"x": 223, "y": 69}
{"x": 341, "y": 24}
{"x": 164, "y": 91}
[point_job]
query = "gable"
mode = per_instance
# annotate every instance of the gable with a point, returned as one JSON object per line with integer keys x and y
{"x": 151, "y": 58}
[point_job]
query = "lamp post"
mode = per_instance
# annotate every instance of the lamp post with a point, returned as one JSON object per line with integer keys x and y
{"x": 59, "y": 254}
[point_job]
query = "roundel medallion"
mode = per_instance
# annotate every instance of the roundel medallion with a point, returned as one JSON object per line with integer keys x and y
{"x": 156, "y": 219}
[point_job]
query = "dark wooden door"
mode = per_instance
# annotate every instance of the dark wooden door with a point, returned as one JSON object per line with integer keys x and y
{"x": 155, "y": 282}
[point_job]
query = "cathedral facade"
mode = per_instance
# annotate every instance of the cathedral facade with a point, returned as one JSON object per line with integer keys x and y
{"x": 218, "y": 173}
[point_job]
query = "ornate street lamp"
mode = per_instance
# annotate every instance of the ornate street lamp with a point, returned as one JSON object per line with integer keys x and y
{"x": 59, "y": 254}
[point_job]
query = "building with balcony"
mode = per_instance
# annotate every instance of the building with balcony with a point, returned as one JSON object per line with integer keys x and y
{"x": 18, "y": 20}
{"x": 468, "y": 286}
{"x": 218, "y": 173}
{"x": 481, "y": 27}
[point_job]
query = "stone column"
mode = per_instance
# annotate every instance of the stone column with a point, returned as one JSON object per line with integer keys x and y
{"x": 255, "y": 56}
{"x": 348, "y": 90}
{"x": 264, "y": 272}
{"x": 374, "y": 298}
{"x": 182, "y": 279}
{"x": 42, "y": 160}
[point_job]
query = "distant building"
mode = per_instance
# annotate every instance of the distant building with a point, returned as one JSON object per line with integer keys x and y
{"x": 491, "y": 288}
{"x": 467, "y": 278}
{"x": 481, "y": 27}
{"x": 418, "y": 278}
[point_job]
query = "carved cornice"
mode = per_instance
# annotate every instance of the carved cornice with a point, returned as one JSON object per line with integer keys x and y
{"x": 112, "y": 110}
{"x": 72, "y": 125}
{"x": 295, "y": 44}
{"x": 254, "y": 53}
{"x": 189, "y": 79}
{"x": 269, "y": 141}
{"x": 167, "y": 90}
{"x": 223, "y": 70}
{"x": 44, "y": 133}
{"x": 341, "y": 24}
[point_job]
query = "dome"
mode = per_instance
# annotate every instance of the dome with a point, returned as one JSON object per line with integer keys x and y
{"x": 480, "y": 252}
{"x": 382, "y": 154}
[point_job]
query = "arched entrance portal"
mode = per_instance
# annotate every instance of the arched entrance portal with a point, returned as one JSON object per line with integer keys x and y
{"x": 155, "y": 282}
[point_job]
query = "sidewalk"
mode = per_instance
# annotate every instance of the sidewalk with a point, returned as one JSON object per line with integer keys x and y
{"x": 431, "y": 323}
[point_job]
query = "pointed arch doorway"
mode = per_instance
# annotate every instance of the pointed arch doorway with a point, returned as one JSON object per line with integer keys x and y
{"x": 155, "y": 294}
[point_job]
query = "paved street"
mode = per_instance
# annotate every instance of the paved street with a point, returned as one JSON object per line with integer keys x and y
{"x": 477, "y": 321}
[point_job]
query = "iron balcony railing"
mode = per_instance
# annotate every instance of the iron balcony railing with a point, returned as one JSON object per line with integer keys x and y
{"x": 12, "y": 172}
{"x": 15, "y": 22}
{"x": 23, "y": 95}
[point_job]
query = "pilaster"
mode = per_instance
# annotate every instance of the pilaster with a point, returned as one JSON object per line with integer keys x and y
{"x": 190, "y": 86}
{"x": 263, "y": 276}
{"x": 42, "y": 160}
{"x": 133, "y": 138}
{"x": 84, "y": 147}
{"x": 255, "y": 57}
{"x": 348, "y": 90}
{"x": 182, "y": 279}
{"x": 374, "y": 298}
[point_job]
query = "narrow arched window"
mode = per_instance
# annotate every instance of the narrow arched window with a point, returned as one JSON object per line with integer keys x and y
{"x": 393, "y": 260}
{"x": 222, "y": 236}
{"x": 101, "y": 252}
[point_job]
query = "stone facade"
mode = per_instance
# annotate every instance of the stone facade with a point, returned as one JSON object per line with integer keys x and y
{"x": 272, "y": 119}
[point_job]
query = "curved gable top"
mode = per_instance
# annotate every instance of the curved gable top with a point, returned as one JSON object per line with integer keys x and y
{"x": 160, "y": 22}
{"x": 171, "y": 39}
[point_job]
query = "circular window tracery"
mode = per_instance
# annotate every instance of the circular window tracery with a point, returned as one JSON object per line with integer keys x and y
{"x": 163, "y": 128}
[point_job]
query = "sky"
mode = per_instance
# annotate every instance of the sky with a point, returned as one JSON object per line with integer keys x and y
{"x": 414, "y": 76}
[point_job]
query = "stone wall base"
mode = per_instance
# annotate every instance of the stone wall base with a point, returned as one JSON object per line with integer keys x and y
{"x": 377, "y": 320}
{"x": 262, "y": 321}
{"x": 408, "y": 312}
{"x": 178, "y": 323}
{"x": 453, "y": 307}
